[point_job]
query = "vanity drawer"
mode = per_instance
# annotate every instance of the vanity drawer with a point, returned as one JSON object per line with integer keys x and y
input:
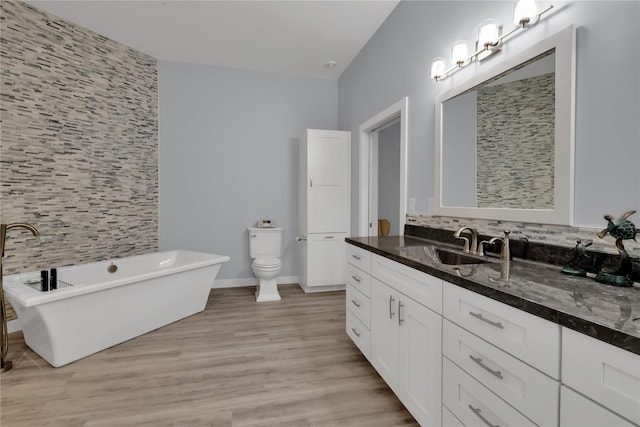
{"x": 359, "y": 304}
{"x": 359, "y": 257}
{"x": 449, "y": 420}
{"x": 473, "y": 404}
{"x": 528, "y": 390}
{"x": 578, "y": 411}
{"x": 359, "y": 279}
{"x": 607, "y": 374}
{"x": 529, "y": 338}
{"x": 359, "y": 334}
{"x": 421, "y": 287}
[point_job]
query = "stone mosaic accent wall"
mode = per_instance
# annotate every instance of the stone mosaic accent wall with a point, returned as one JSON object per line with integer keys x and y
{"x": 559, "y": 235}
{"x": 79, "y": 143}
{"x": 515, "y": 141}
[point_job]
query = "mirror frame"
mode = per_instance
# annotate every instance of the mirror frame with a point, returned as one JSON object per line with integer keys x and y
{"x": 562, "y": 212}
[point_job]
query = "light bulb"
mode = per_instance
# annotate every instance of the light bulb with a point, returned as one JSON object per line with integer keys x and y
{"x": 526, "y": 12}
{"x": 488, "y": 33}
{"x": 459, "y": 52}
{"x": 437, "y": 68}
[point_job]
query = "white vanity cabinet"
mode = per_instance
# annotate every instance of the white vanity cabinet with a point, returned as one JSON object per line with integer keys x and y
{"x": 457, "y": 358}
{"x": 358, "y": 298}
{"x": 406, "y": 336}
{"x": 500, "y": 364}
{"x": 608, "y": 375}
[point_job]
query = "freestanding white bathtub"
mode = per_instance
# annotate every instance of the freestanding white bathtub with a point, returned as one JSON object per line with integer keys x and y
{"x": 94, "y": 309}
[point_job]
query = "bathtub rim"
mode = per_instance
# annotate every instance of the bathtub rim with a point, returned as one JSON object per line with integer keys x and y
{"x": 25, "y": 296}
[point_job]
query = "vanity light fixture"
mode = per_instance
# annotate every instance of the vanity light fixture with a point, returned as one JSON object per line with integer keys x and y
{"x": 490, "y": 39}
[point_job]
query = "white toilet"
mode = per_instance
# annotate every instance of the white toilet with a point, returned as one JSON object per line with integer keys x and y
{"x": 265, "y": 249}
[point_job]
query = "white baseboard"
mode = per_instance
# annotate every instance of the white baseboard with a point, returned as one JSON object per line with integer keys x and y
{"x": 329, "y": 288}
{"x": 249, "y": 281}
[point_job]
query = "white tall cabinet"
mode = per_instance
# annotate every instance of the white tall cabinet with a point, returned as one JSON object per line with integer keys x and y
{"x": 323, "y": 209}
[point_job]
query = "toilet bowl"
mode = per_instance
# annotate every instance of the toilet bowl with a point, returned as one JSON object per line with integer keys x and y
{"x": 266, "y": 270}
{"x": 264, "y": 249}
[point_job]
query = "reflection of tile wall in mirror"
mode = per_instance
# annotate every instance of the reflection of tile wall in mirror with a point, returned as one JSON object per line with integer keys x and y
{"x": 515, "y": 138}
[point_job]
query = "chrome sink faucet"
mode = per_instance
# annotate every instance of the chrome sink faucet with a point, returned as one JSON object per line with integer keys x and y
{"x": 505, "y": 255}
{"x": 5, "y": 365}
{"x": 468, "y": 248}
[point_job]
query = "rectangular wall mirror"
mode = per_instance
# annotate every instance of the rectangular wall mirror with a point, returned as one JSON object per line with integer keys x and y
{"x": 504, "y": 138}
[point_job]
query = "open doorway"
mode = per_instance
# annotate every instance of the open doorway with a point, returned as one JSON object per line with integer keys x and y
{"x": 383, "y": 158}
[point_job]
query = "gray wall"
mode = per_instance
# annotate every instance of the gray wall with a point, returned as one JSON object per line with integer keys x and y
{"x": 396, "y": 63}
{"x": 79, "y": 143}
{"x": 389, "y": 175}
{"x": 229, "y": 156}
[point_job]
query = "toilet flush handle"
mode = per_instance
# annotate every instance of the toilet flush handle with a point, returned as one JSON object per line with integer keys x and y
{"x": 301, "y": 238}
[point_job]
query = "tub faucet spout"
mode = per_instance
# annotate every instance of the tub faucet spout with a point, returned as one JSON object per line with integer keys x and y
{"x": 5, "y": 365}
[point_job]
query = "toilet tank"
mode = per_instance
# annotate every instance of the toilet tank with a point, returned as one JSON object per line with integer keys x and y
{"x": 265, "y": 242}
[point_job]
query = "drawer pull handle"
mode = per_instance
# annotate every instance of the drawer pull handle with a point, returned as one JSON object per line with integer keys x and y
{"x": 478, "y": 360}
{"x": 356, "y": 256}
{"x": 355, "y": 331}
{"x": 478, "y": 412}
{"x": 356, "y": 278}
{"x": 391, "y": 300}
{"x": 400, "y": 319}
{"x": 355, "y": 302}
{"x": 328, "y": 237}
{"x": 479, "y": 316}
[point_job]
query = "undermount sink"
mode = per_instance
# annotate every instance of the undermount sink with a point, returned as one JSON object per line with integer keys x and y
{"x": 441, "y": 255}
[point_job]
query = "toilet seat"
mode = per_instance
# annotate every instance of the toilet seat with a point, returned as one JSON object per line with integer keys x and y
{"x": 267, "y": 262}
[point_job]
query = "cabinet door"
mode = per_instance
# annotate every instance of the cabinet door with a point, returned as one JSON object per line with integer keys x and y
{"x": 609, "y": 375}
{"x": 384, "y": 332}
{"x": 420, "y": 358}
{"x": 578, "y": 411}
{"x": 327, "y": 181}
{"x": 325, "y": 259}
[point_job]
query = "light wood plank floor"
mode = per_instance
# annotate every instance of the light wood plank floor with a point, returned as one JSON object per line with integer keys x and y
{"x": 238, "y": 363}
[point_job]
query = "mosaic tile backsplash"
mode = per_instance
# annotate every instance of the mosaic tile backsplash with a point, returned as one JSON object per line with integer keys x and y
{"x": 79, "y": 143}
{"x": 559, "y": 235}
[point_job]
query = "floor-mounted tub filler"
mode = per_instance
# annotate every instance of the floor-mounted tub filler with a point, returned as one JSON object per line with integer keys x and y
{"x": 101, "y": 304}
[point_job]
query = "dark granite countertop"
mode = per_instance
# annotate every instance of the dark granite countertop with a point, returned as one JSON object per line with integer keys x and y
{"x": 608, "y": 313}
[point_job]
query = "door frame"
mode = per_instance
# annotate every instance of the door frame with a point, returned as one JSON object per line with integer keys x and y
{"x": 368, "y": 138}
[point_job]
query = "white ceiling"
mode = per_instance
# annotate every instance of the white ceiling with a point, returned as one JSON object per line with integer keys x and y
{"x": 293, "y": 37}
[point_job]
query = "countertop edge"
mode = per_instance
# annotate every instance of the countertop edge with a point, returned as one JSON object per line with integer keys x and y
{"x": 603, "y": 333}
